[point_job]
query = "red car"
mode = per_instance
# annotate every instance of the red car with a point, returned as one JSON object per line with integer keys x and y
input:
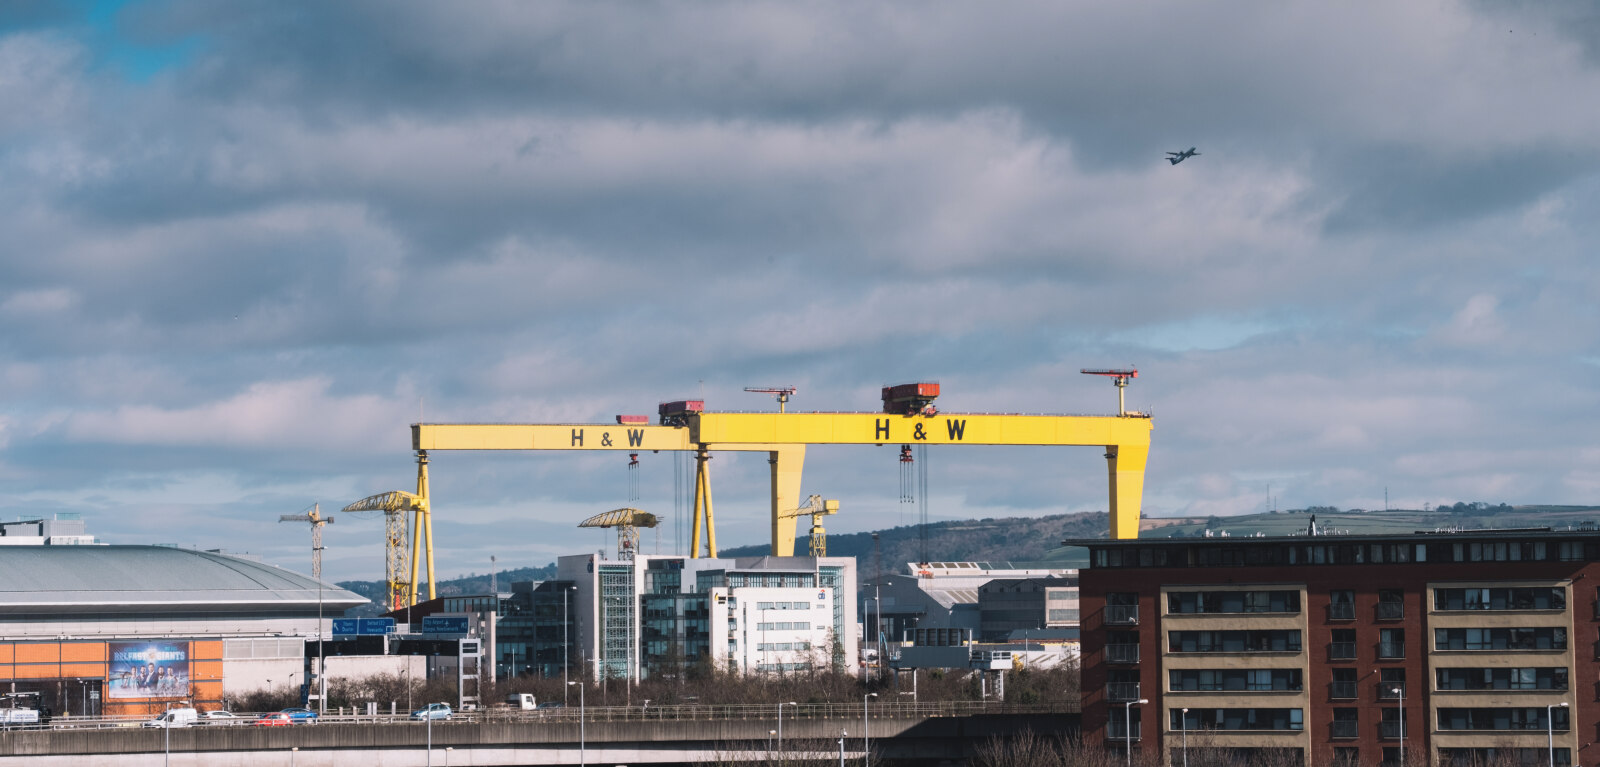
{"x": 276, "y": 719}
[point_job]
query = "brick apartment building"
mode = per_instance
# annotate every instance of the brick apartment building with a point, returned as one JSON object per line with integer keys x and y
{"x": 1462, "y": 648}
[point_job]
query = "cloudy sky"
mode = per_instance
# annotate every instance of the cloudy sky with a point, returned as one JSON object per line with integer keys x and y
{"x": 244, "y": 246}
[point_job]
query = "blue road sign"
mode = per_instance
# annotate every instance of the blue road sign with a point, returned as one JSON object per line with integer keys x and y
{"x": 449, "y": 624}
{"x": 346, "y": 626}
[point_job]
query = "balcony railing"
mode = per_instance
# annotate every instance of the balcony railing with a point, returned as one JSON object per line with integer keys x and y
{"x": 1122, "y": 653}
{"x": 1391, "y": 611}
{"x": 1122, "y": 615}
{"x": 1341, "y": 611}
{"x": 1121, "y": 692}
{"x": 1344, "y": 730}
{"x": 1390, "y": 730}
{"x": 1391, "y": 690}
{"x": 1115, "y": 727}
{"x": 1342, "y": 651}
{"x": 1391, "y": 650}
{"x": 1342, "y": 690}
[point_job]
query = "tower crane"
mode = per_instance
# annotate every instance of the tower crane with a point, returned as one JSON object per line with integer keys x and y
{"x": 818, "y": 509}
{"x": 783, "y": 393}
{"x": 317, "y": 521}
{"x": 398, "y": 574}
{"x": 1120, "y": 379}
{"x": 627, "y": 520}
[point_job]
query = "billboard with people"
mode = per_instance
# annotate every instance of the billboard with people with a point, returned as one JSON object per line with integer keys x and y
{"x": 148, "y": 670}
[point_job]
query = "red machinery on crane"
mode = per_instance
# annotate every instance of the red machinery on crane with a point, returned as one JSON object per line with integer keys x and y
{"x": 1120, "y": 378}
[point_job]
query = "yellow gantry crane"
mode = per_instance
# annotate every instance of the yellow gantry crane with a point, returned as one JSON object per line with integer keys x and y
{"x": 627, "y": 521}
{"x": 908, "y": 418}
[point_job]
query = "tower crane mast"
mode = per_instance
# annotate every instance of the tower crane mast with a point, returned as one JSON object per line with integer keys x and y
{"x": 317, "y": 521}
{"x": 1119, "y": 377}
{"x": 818, "y": 509}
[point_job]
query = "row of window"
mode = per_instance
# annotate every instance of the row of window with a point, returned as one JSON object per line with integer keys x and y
{"x": 780, "y": 646}
{"x": 1259, "y": 640}
{"x": 785, "y": 606}
{"x": 1553, "y": 638}
{"x": 1541, "y": 598}
{"x": 1501, "y": 678}
{"x": 1521, "y": 757}
{"x": 1278, "y": 601}
{"x": 1529, "y": 718}
{"x": 1237, "y": 719}
{"x": 1234, "y": 679}
{"x": 1278, "y": 554}
{"x": 784, "y": 626}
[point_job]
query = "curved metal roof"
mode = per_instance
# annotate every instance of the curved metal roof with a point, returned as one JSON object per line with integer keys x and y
{"x": 104, "y": 578}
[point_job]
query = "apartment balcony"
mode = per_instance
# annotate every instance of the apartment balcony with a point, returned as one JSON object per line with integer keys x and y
{"x": 1342, "y": 691}
{"x": 1122, "y": 615}
{"x": 1344, "y": 730}
{"x": 1116, "y": 729}
{"x": 1122, "y": 653}
{"x": 1391, "y": 611}
{"x": 1341, "y": 611}
{"x": 1391, "y": 650}
{"x": 1390, "y": 730}
{"x": 1342, "y": 651}
{"x": 1122, "y": 692}
{"x": 1391, "y": 690}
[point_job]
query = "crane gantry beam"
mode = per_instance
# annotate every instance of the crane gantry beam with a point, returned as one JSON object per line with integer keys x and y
{"x": 784, "y": 436}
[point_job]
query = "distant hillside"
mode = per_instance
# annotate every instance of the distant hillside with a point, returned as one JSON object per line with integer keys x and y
{"x": 1476, "y": 516}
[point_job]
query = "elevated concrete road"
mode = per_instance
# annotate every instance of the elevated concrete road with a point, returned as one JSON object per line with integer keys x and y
{"x": 902, "y": 738}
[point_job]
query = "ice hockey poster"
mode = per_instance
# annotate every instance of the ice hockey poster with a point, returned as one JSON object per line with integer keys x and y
{"x": 148, "y": 670}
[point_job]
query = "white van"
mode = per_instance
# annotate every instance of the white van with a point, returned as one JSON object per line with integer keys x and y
{"x": 521, "y": 700}
{"x": 174, "y": 717}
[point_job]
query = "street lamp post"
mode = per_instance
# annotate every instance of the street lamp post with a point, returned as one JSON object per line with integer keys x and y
{"x": 842, "y": 735}
{"x": 1400, "y": 693}
{"x": 1550, "y": 729}
{"x": 583, "y": 755}
{"x": 428, "y": 713}
{"x": 564, "y": 682}
{"x": 780, "y": 728}
{"x": 1184, "y": 723}
{"x": 866, "y": 731}
{"x": 1127, "y": 727}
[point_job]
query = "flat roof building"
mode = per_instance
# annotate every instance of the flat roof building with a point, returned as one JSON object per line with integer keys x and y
{"x": 1461, "y": 647}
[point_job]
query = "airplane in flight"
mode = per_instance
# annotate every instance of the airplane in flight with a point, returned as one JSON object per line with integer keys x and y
{"x": 1177, "y": 157}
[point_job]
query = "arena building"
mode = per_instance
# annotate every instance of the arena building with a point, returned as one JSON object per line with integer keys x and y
{"x": 135, "y": 629}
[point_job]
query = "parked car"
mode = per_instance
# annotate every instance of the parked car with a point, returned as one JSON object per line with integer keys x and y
{"x": 432, "y": 711}
{"x": 301, "y": 715}
{"x": 552, "y": 704}
{"x": 174, "y": 717}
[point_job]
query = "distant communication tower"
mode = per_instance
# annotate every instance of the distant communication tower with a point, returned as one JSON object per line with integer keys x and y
{"x": 1120, "y": 378}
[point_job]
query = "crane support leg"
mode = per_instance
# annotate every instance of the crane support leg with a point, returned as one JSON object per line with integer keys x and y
{"x": 702, "y": 507}
{"x": 422, "y": 530}
{"x": 788, "y": 463}
{"x": 1125, "y": 465}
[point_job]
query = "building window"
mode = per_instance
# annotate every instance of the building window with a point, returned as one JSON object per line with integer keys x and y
{"x": 1472, "y": 599}
{"x": 1122, "y": 646}
{"x": 1391, "y": 683}
{"x": 1391, "y": 643}
{"x": 1122, "y": 685}
{"x": 1391, "y": 605}
{"x": 1343, "y": 646}
{"x": 1265, "y": 640}
{"x": 1529, "y": 718}
{"x": 1215, "y": 680}
{"x": 1343, "y": 686}
{"x": 1553, "y": 638}
{"x": 1472, "y": 757}
{"x": 1237, "y": 719}
{"x": 1180, "y": 602}
{"x": 1122, "y": 608}
{"x": 1342, "y": 605}
{"x": 1553, "y": 678}
{"x": 1345, "y": 724}
{"x": 1346, "y": 756}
